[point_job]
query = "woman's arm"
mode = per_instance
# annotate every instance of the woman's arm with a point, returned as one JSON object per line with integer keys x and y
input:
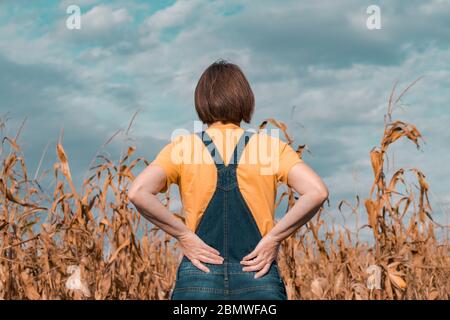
{"x": 143, "y": 194}
{"x": 313, "y": 193}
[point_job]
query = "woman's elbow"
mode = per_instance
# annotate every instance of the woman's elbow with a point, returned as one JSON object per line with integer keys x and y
{"x": 322, "y": 194}
{"x": 325, "y": 193}
{"x": 134, "y": 193}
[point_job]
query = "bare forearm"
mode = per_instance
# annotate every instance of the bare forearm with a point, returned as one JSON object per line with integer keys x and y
{"x": 151, "y": 208}
{"x": 300, "y": 213}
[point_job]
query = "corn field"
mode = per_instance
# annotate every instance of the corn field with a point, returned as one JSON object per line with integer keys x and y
{"x": 90, "y": 242}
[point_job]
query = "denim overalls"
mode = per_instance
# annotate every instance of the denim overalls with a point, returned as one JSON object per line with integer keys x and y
{"x": 228, "y": 226}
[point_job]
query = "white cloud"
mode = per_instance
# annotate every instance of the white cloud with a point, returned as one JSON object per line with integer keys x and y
{"x": 174, "y": 15}
{"x": 103, "y": 18}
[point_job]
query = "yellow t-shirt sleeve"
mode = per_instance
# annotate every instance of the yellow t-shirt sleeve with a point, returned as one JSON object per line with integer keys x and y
{"x": 287, "y": 159}
{"x": 165, "y": 159}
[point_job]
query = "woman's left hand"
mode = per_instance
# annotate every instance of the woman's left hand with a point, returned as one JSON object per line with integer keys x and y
{"x": 262, "y": 256}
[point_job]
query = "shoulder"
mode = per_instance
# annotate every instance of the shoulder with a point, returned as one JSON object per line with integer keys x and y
{"x": 181, "y": 139}
{"x": 173, "y": 150}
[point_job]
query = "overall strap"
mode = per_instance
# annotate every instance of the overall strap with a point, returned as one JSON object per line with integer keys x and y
{"x": 209, "y": 144}
{"x": 240, "y": 146}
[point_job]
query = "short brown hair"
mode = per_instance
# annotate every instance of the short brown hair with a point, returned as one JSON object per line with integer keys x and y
{"x": 224, "y": 94}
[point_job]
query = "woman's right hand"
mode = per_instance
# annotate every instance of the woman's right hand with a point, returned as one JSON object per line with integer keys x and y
{"x": 197, "y": 251}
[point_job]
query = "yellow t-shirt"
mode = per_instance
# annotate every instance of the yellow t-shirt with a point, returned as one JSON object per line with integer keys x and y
{"x": 265, "y": 161}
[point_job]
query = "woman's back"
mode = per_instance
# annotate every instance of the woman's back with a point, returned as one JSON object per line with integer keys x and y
{"x": 265, "y": 161}
{"x": 226, "y": 224}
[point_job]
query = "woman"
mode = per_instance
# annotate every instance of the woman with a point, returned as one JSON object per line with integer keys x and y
{"x": 229, "y": 241}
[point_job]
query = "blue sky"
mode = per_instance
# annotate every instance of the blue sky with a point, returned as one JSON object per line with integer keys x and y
{"x": 148, "y": 56}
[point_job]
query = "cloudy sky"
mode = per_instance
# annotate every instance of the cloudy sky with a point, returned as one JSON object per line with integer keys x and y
{"x": 312, "y": 64}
